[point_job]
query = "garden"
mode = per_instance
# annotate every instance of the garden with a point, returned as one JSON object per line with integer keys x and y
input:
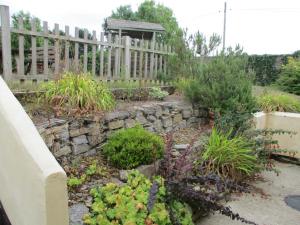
{"x": 138, "y": 152}
{"x": 162, "y": 156}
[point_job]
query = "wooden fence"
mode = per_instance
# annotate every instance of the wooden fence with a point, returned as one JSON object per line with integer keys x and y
{"x": 53, "y": 52}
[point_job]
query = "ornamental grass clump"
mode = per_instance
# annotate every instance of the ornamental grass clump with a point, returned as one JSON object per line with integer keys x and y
{"x": 228, "y": 157}
{"x": 129, "y": 148}
{"x": 78, "y": 92}
{"x": 278, "y": 102}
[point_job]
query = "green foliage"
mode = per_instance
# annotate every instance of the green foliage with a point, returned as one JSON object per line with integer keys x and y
{"x": 127, "y": 204}
{"x": 75, "y": 182}
{"x": 266, "y": 68}
{"x": 78, "y": 91}
{"x": 129, "y": 148}
{"x": 229, "y": 157}
{"x": 157, "y": 93}
{"x": 289, "y": 78}
{"x": 149, "y": 11}
{"x": 278, "y": 102}
{"x": 27, "y": 18}
{"x": 223, "y": 85}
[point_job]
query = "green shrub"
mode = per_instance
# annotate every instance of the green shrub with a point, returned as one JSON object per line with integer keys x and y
{"x": 128, "y": 204}
{"x": 289, "y": 78}
{"x": 129, "y": 148}
{"x": 78, "y": 91}
{"x": 223, "y": 85}
{"x": 278, "y": 102}
{"x": 229, "y": 157}
{"x": 157, "y": 93}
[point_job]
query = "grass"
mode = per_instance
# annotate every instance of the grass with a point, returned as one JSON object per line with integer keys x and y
{"x": 270, "y": 99}
{"x": 229, "y": 157}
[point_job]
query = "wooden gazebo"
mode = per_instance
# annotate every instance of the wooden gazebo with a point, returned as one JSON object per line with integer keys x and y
{"x": 134, "y": 29}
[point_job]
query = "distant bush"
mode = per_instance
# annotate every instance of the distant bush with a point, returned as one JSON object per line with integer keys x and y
{"x": 129, "y": 148}
{"x": 278, "y": 102}
{"x": 289, "y": 78}
{"x": 228, "y": 157}
{"x": 78, "y": 91}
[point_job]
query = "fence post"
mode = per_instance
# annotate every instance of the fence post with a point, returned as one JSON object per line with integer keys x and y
{"x": 6, "y": 42}
{"x": 127, "y": 57}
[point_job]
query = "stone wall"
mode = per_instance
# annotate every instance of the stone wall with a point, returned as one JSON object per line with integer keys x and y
{"x": 83, "y": 135}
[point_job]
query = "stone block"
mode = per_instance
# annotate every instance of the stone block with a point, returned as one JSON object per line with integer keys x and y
{"x": 130, "y": 123}
{"x": 177, "y": 118}
{"x": 80, "y": 140}
{"x": 66, "y": 150}
{"x": 157, "y": 125}
{"x": 78, "y": 149}
{"x": 167, "y": 122}
{"x": 140, "y": 119}
{"x": 151, "y": 118}
{"x": 119, "y": 115}
{"x": 95, "y": 139}
{"x": 186, "y": 113}
{"x": 78, "y": 132}
{"x": 116, "y": 124}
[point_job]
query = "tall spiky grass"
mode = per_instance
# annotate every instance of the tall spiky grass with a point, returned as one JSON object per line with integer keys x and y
{"x": 78, "y": 91}
{"x": 278, "y": 102}
{"x": 229, "y": 157}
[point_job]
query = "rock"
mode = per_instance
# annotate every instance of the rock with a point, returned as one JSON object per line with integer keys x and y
{"x": 151, "y": 118}
{"x": 116, "y": 181}
{"x": 149, "y": 170}
{"x": 157, "y": 125}
{"x": 130, "y": 123}
{"x": 150, "y": 129}
{"x": 77, "y": 149}
{"x": 181, "y": 147}
{"x": 140, "y": 119}
{"x": 123, "y": 175}
{"x": 120, "y": 115}
{"x": 66, "y": 150}
{"x": 148, "y": 110}
{"x": 95, "y": 139}
{"x": 192, "y": 121}
{"x": 51, "y": 123}
{"x": 90, "y": 152}
{"x": 116, "y": 124}
{"x": 79, "y": 140}
{"x": 158, "y": 111}
{"x": 76, "y": 212}
{"x": 182, "y": 124}
{"x": 196, "y": 113}
{"x": 166, "y": 122}
{"x": 186, "y": 113}
{"x": 78, "y": 132}
{"x": 49, "y": 140}
{"x": 177, "y": 118}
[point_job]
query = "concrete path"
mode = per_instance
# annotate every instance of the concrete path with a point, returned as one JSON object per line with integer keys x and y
{"x": 270, "y": 211}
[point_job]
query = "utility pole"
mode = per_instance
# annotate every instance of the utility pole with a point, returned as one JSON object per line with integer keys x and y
{"x": 224, "y": 28}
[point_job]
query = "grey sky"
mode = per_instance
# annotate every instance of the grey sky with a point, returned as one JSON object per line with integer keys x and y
{"x": 260, "y": 26}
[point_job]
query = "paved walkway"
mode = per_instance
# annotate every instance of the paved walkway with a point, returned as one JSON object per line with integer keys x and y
{"x": 270, "y": 211}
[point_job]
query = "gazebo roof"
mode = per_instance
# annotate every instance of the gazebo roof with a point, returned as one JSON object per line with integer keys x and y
{"x": 129, "y": 25}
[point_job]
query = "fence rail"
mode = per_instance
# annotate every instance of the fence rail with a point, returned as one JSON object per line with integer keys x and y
{"x": 53, "y": 52}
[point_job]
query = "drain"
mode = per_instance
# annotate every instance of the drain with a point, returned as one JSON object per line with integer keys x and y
{"x": 293, "y": 201}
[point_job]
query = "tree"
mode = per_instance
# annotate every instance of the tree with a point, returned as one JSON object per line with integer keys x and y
{"x": 149, "y": 11}
{"x": 123, "y": 12}
{"x": 27, "y": 18}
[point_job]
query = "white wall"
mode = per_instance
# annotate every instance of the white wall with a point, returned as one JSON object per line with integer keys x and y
{"x": 284, "y": 121}
{"x": 32, "y": 184}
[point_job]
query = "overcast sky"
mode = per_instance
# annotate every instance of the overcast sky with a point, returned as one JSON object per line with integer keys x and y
{"x": 260, "y": 26}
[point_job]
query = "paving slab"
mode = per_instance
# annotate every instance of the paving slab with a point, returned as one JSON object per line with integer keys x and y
{"x": 265, "y": 211}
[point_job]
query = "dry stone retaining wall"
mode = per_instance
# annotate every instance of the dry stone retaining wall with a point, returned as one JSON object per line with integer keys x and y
{"x": 83, "y": 135}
